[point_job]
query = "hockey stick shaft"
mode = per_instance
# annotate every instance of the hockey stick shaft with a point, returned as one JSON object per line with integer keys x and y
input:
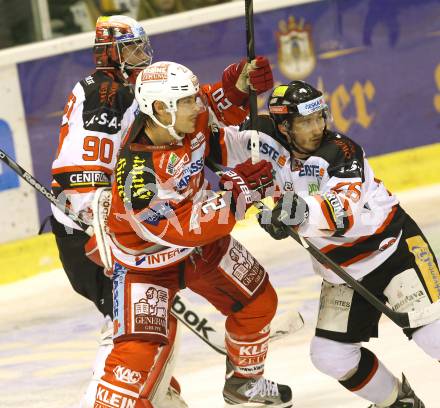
{"x": 13, "y": 165}
{"x": 412, "y": 319}
{"x": 181, "y": 309}
{"x": 253, "y": 106}
{"x": 250, "y": 42}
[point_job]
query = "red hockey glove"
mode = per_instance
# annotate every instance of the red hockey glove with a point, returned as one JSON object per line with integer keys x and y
{"x": 237, "y": 78}
{"x": 248, "y": 183}
{"x": 260, "y": 75}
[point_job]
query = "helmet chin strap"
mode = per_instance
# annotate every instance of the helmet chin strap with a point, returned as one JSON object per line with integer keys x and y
{"x": 170, "y": 127}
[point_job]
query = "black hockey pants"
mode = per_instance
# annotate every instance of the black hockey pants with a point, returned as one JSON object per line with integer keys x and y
{"x": 86, "y": 277}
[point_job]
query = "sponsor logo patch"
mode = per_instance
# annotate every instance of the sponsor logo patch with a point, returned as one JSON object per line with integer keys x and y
{"x": 197, "y": 141}
{"x": 150, "y": 307}
{"x": 155, "y": 73}
{"x": 125, "y": 375}
{"x": 108, "y": 398}
{"x": 243, "y": 267}
{"x": 176, "y": 164}
{"x": 425, "y": 261}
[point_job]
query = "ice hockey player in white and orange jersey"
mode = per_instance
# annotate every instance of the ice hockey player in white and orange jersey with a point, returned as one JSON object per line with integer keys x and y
{"x": 170, "y": 231}
{"x": 329, "y": 193}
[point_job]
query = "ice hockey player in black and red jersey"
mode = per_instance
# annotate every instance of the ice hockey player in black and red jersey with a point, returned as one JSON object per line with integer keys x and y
{"x": 98, "y": 110}
{"x": 330, "y": 195}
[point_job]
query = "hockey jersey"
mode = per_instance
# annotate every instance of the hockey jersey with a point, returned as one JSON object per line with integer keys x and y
{"x": 336, "y": 178}
{"x": 162, "y": 205}
{"x": 98, "y": 112}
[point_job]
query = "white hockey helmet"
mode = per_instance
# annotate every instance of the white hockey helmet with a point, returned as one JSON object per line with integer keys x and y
{"x": 167, "y": 82}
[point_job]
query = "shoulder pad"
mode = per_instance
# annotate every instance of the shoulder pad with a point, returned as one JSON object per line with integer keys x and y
{"x": 135, "y": 178}
{"x": 105, "y": 103}
{"x": 345, "y": 157}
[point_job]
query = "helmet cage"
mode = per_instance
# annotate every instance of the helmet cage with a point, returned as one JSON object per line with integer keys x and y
{"x": 114, "y": 34}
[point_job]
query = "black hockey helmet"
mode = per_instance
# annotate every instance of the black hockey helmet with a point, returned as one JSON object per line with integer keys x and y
{"x": 297, "y": 98}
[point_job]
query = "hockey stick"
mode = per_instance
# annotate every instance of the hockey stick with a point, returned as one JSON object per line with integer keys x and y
{"x": 253, "y": 108}
{"x": 284, "y": 324}
{"x": 13, "y": 165}
{"x": 412, "y": 319}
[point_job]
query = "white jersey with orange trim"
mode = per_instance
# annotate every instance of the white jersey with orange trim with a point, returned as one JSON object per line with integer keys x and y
{"x": 97, "y": 114}
{"x": 336, "y": 179}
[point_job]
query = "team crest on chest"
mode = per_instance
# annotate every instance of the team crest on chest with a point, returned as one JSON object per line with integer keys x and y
{"x": 176, "y": 164}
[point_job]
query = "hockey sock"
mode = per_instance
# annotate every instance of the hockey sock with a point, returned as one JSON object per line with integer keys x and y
{"x": 373, "y": 381}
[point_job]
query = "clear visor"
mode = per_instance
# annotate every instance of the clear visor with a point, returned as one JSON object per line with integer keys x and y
{"x": 193, "y": 104}
{"x": 136, "y": 54}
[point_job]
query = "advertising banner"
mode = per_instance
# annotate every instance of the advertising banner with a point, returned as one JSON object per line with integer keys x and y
{"x": 18, "y": 204}
{"x": 377, "y": 62}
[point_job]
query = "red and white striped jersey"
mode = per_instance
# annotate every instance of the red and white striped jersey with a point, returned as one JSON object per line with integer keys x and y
{"x": 162, "y": 205}
{"x": 338, "y": 169}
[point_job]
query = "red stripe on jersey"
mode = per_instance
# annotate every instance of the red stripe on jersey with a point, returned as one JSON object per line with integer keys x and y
{"x": 81, "y": 190}
{"x": 326, "y": 212}
{"x": 223, "y": 148}
{"x": 69, "y": 169}
{"x": 382, "y": 228}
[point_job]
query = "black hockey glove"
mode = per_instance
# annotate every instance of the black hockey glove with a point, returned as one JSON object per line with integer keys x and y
{"x": 290, "y": 211}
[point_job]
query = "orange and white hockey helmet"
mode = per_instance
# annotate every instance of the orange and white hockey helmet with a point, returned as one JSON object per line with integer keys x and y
{"x": 166, "y": 82}
{"x": 121, "y": 43}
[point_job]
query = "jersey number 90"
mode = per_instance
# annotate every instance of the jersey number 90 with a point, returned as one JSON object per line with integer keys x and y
{"x": 98, "y": 149}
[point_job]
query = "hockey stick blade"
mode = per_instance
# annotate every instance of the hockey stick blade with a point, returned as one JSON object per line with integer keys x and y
{"x": 282, "y": 325}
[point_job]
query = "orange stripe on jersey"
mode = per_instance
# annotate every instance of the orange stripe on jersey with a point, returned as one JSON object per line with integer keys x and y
{"x": 64, "y": 131}
{"x": 81, "y": 190}
{"x": 384, "y": 225}
{"x": 70, "y": 169}
{"x": 326, "y": 212}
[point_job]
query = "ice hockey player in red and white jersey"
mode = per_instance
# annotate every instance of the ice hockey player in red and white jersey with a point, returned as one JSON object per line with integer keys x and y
{"x": 170, "y": 231}
{"x": 330, "y": 194}
{"x": 99, "y": 110}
